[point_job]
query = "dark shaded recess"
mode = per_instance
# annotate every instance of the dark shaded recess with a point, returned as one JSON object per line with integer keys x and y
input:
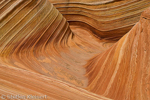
{"x": 113, "y": 35}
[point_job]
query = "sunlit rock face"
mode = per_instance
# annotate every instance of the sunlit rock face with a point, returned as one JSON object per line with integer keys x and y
{"x": 80, "y": 50}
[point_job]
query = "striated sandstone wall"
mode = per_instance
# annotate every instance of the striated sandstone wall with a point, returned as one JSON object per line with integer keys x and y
{"x": 75, "y": 56}
{"x": 107, "y": 19}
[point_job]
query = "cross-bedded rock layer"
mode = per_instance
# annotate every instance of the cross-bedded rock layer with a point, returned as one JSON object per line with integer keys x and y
{"x": 41, "y": 54}
{"x": 107, "y": 19}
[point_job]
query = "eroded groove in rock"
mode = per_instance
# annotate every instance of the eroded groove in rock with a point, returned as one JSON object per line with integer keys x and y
{"x": 122, "y": 72}
{"x": 108, "y": 19}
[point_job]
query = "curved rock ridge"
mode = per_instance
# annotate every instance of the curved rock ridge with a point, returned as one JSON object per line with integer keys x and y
{"x": 32, "y": 35}
{"x": 35, "y": 37}
{"x": 36, "y": 46}
{"x": 123, "y": 71}
{"x": 107, "y": 19}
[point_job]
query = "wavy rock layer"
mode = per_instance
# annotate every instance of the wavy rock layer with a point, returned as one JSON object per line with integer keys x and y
{"x": 107, "y": 19}
{"x": 41, "y": 55}
{"x": 36, "y": 42}
{"x": 35, "y": 36}
{"x": 123, "y": 71}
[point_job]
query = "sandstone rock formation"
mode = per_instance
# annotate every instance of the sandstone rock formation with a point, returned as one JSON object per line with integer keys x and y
{"x": 42, "y": 54}
{"x": 122, "y": 72}
{"x": 107, "y": 19}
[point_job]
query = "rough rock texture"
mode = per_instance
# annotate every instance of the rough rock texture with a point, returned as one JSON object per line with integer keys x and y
{"x": 41, "y": 54}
